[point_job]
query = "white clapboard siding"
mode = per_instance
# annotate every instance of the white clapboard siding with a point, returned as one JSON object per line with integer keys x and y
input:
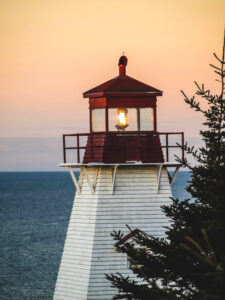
{"x": 89, "y": 247}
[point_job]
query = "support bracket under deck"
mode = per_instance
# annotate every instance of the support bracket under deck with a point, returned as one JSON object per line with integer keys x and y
{"x": 159, "y": 173}
{"x": 76, "y": 183}
{"x": 172, "y": 179}
{"x": 114, "y": 171}
{"x": 91, "y": 185}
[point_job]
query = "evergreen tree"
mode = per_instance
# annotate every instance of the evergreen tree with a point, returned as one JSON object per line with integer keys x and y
{"x": 189, "y": 263}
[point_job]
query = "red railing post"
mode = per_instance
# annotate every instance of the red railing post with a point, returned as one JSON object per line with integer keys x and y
{"x": 78, "y": 149}
{"x": 182, "y": 141}
{"x": 167, "y": 148}
{"x": 92, "y": 157}
{"x": 138, "y": 147}
{"x": 64, "y": 150}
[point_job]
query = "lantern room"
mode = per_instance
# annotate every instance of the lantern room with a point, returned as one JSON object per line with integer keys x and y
{"x": 123, "y": 123}
{"x": 122, "y": 104}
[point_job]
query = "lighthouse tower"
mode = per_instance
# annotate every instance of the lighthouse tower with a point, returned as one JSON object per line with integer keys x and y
{"x": 123, "y": 180}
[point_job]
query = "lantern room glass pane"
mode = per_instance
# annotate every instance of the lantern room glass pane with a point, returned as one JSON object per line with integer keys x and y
{"x": 112, "y": 118}
{"x": 131, "y": 118}
{"x": 98, "y": 119}
{"x": 146, "y": 119}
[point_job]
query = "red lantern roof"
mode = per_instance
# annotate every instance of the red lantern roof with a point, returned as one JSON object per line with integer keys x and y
{"x": 122, "y": 85}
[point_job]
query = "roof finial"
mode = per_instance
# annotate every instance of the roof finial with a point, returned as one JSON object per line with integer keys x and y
{"x": 122, "y": 65}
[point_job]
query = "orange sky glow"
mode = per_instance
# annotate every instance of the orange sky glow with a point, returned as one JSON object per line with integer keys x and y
{"x": 54, "y": 50}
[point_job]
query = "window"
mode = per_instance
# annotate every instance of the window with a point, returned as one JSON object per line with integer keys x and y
{"x": 146, "y": 119}
{"x": 123, "y": 119}
{"x": 98, "y": 119}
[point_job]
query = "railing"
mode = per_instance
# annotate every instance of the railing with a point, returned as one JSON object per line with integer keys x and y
{"x": 138, "y": 145}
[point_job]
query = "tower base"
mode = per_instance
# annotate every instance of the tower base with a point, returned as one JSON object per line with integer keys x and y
{"x": 108, "y": 198}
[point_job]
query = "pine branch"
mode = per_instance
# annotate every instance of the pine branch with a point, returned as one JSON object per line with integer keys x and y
{"x": 204, "y": 232}
{"x": 192, "y": 102}
{"x": 221, "y": 61}
{"x": 215, "y": 67}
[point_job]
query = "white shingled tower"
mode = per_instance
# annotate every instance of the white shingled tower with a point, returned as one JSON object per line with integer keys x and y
{"x": 123, "y": 180}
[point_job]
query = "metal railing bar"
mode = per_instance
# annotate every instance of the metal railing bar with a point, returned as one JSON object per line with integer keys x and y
{"x": 172, "y": 146}
{"x": 167, "y": 149}
{"x": 182, "y": 143}
{"x": 137, "y": 146}
{"x": 122, "y": 132}
{"x": 64, "y": 149}
{"x": 78, "y": 146}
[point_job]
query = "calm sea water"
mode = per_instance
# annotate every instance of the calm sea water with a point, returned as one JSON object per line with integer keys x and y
{"x": 34, "y": 213}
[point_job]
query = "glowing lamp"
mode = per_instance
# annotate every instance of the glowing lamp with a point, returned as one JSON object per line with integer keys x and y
{"x": 122, "y": 119}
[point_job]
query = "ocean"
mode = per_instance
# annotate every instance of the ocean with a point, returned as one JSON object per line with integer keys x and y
{"x": 34, "y": 214}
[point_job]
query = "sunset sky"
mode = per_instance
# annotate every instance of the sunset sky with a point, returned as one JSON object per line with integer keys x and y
{"x": 54, "y": 50}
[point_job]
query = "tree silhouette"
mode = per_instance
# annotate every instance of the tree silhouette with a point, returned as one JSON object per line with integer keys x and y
{"x": 189, "y": 262}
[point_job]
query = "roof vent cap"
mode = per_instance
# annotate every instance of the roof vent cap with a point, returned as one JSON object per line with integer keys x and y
{"x": 122, "y": 65}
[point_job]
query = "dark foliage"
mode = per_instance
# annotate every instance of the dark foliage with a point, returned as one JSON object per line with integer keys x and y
{"x": 189, "y": 262}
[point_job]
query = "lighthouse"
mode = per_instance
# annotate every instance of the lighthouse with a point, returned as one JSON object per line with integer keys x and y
{"x": 123, "y": 179}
